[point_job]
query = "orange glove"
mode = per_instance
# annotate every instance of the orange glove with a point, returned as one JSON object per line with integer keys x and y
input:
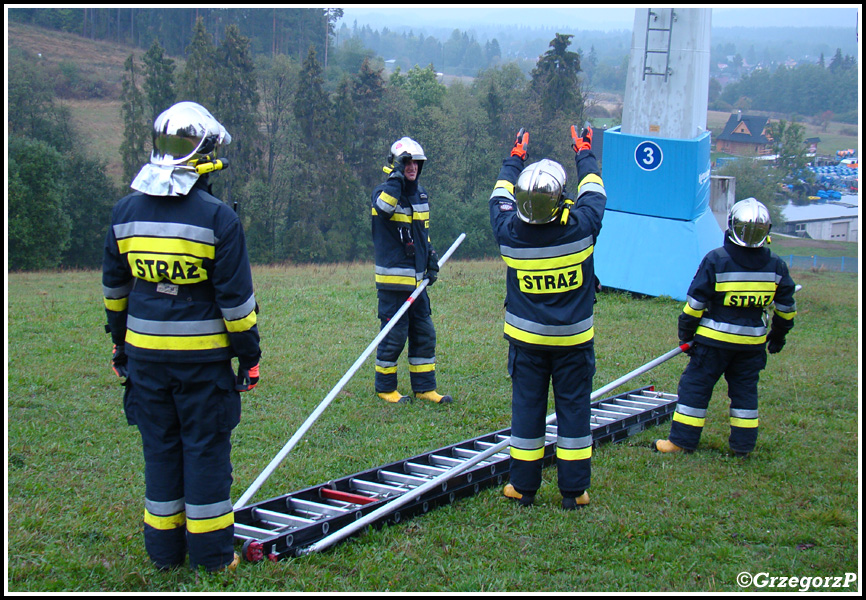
{"x": 521, "y": 145}
{"x": 583, "y": 141}
{"x": 247, "y": 379}
{"x": 119, "y": 360}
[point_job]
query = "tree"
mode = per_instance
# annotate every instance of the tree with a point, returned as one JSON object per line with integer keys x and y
{"x": 555, "y": 79}
{"x": 158, "y": 80}
{"x": 788, "y": 143}
{"x": 39, "y": 225}
{"x": 199, "y": 74}
{"x": 136, "y": 127}
{"x": 89, "y": 196}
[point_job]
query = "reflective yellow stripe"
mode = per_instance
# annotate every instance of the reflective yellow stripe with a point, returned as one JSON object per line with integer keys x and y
{"x": 691, "y": 311}
{"x": 207, "y": 525}
{"x": 507, "y": 185}
{"x": 687, "y": 420}
{"x": 527, "y": 455}
{"x": 746, "y": 286}
{"x": 574, "y": 454}
{"x": 421, "y": 216}
{"x": 549, "y": 340}
{"x": 397, "y": 280}
{"x": 244, "y": 324}
{"x": 746, "y": 423}
{"x": 785, "y": 315}
{"x": 116, "y": 305}
{"x": 543, "y": 264}
{"x": 192, "y": 342}
{"x": 161, "y": 245}
{"x": 591, "y": 178}
{"x": 165, "y": 523}
{"x": 386, "y": 370}
{"x": 422, "y": 368}
{"x": 731, "y": 338}
{"x": 388, "y": 199}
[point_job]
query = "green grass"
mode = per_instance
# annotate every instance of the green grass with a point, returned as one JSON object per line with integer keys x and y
{"x": 656, "y": 523}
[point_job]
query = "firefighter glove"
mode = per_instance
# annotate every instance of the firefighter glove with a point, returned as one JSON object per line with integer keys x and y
{"x": 775, "y": 342}
{"x": 247, "y": 379}
{"x": 119, "y": 360}
{"x": 583, "y": 141}
{"x": 432, "y": 268}
{"x": 521, "y": 144}
{"x": 399, "y": 167}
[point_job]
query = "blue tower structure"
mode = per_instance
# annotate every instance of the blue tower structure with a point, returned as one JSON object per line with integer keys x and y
{"x": 658, "y": 224}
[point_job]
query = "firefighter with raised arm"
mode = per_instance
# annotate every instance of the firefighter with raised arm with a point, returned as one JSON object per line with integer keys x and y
{"x": 180, "y": 304}
{"x": 546, "y": 239}
{"x": 725, "y": 318}
{"x": 404, "y": 257}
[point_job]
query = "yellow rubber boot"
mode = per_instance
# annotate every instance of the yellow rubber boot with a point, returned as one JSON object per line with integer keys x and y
{"x": 575, "y": 503}
{"x": 434, "y": 396}
{"x": 522, "y": 499}
{"x": 667, "y": 447}
{"x": 394, "y": 397}
{"x": 229, "y": 568}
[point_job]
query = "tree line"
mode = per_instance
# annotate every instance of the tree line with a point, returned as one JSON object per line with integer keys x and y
{"x": 305, "y": 153}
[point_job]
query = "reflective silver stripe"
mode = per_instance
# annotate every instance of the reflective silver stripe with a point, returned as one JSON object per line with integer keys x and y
{"x": 239, "y": 312}
{"x": 502, "y": 193}
{"x": 734, "y": 329}
{"x": 168, "y": 230}
{"x": 397, "y": 272}
{"x": 118, "y": 292}
{"x": 175, "y": 327}
{"x": 548, "y": 252}
{"x": 694, "y": 304}
{"x": 785, "y": 308}
{"x": 414, "y": 360}
{"x": 740, "y": 276}
{"x": 425, "y": 207}
{"x": 385, "y": 363}
{"x": 164, "y": 509}
{"x": 527, "y": 443}
{"x": 208, "y": 511}
{"x": 591, "y": 187}
{"x": 533, "y": 327}
{"x": 698, "y": 413}
{"x": 574, "y": 443}
{"x": 739, "y": 413}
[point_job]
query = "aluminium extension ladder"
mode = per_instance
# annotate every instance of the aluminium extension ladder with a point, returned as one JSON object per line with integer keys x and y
{"x": 279, "y": 527}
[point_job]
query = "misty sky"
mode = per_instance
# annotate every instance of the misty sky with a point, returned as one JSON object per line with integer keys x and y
{"x": 579, "y": 16}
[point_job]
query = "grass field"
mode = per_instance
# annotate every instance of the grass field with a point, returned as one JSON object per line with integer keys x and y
{"x": 656, "y": 523}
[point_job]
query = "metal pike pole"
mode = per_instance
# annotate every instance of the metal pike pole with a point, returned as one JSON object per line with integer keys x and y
{"x": 457, "y": 469}
{"x": 260, "y": 480}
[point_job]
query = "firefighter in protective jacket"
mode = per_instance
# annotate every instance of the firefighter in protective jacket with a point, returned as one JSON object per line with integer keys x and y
{"x": 180, "y": 305}
{"x": 405, "y": 257}
{"x": 725, "y": 318}
{"x": 546, "y": 239}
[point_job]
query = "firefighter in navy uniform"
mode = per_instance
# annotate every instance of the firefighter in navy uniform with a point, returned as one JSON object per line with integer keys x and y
{"x": 404, "y": 257}
{"x": 725, "y": 317}
{"x": 180, "y": 305}
{"x": 546, "y": 239}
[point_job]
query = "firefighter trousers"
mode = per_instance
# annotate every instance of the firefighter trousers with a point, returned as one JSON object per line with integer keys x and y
{"x": 707, "y": 364}
{"x": 416, "y": 326}
{"x": 531, "y": 373}
{"x": 185, "y": 413}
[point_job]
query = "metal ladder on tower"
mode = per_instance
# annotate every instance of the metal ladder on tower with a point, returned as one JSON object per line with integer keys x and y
{"x": 281, "y": 527}
{"x": 666, "y": 45}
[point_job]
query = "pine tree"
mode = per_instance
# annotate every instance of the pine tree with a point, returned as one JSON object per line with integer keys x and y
{"x": 136, "y": 126}
{"x": 198, "y": 81}
{"x": 158, "y": 80}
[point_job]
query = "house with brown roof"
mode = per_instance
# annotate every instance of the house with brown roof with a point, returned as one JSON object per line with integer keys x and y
{"x": 744, "y": 135}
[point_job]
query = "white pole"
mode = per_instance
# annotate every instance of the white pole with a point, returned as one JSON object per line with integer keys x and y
{"x": 457, "y": 469}
{"x": 260, "y": 480}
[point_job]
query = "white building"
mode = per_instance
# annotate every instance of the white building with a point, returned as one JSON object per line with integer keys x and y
{"x": 835, "y": 221}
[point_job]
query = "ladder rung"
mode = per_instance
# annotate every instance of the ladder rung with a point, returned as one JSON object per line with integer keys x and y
{"x": 256, "y": 533}
{"x": 377, "y": 488}
{"x": 617, "y": 407}
{"x": 401, "y": 479}
{"x": 609, "y": 413}
{"x": 424, "y": 470}
{"x": 446, "y": 461}
{"x": 278, "y": 518}
{"x": 347, "y": 497}
{"x": 316, "y": 508}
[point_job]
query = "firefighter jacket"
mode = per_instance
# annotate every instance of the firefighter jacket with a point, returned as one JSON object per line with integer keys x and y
{"x": 550, "y": 281}
{"x": 730, "y": 295}
{"x": 176, "y": 280}
{"x": 401, "y": 224}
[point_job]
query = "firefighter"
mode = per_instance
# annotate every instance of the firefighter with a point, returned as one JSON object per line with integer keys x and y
{"x": 404, "y": 257}
{"x": 725, "y": 318}
{"x": 546, "y": 239}
{"x": 180, "y": 305}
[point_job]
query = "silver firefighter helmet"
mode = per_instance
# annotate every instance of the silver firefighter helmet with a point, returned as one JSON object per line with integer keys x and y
{"x": 749, "y": 223}
{"x": 407, "y": 148}
{"x": 183, "y": 135}
{"x": 538, "y": 192}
